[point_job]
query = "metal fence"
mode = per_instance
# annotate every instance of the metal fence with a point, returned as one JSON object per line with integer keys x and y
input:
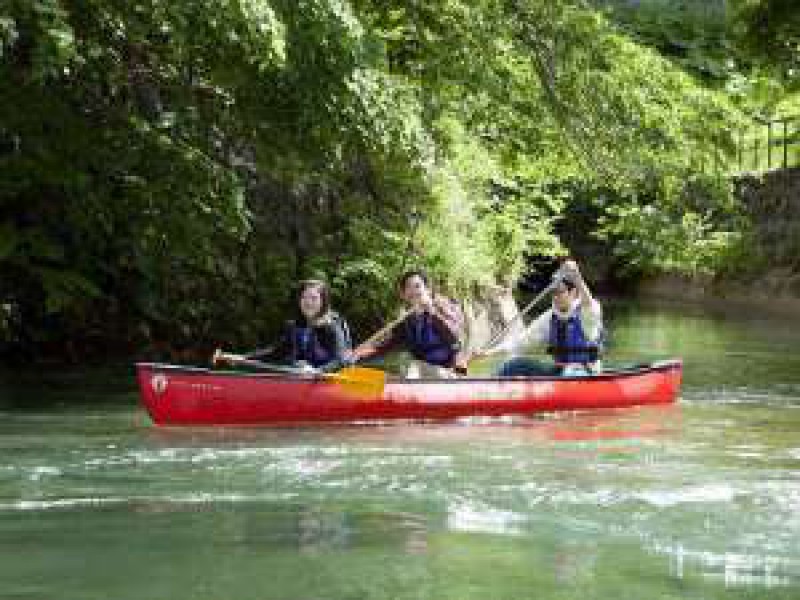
{"x": 772, "y": 144}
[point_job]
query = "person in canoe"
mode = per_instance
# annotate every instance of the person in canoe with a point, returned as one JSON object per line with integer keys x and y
{"x": 317, "y": 338}
{"x": 571, "y": 331}
{"x": 429, "y": 329}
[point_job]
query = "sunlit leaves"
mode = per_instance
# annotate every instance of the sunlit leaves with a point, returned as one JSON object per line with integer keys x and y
{"x": 193, "y": 158}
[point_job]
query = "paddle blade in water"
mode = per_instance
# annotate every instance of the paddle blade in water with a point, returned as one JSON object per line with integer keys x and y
{"x": 362, "y": 381}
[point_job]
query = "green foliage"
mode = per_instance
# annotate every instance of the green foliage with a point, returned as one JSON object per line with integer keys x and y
{"x": 642, "y": 129}
{"x": 179, "y": 164}
{"x": 769, "y": 32}
{"x": 651, "y": 239}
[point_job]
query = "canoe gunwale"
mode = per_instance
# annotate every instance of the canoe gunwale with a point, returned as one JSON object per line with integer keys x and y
{"x": 634, "y": 371}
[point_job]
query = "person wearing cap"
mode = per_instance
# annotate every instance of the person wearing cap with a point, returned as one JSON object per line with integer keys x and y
{"x": 570, "y": 330}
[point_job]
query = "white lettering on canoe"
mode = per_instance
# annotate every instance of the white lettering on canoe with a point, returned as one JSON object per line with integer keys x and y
{"x": 544, "y": 389}
{"x": 442, "y": 393}
{"x": 159, "y": 383}
{"x": 636, "y": 388}
{"x": 198, "y": 387}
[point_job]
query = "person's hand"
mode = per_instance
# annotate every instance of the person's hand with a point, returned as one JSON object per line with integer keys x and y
{"x": 358, "y": 353}
{"x": 424, "y": 304}
{"x": 219, "y": 359}
{"x": 570, "y": 270}
{"x": 306, "y": 369}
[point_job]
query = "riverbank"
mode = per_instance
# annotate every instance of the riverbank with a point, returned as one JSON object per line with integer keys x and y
{"x": 765, "y": 274}
{"x": 769, "y": 293}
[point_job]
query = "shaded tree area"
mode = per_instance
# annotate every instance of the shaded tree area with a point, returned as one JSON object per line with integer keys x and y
{"x": 169, "y": 168}
{"x": 769, "y": 32}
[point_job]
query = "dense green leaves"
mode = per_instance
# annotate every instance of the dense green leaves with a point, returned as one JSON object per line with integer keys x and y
{"x": 169, "y": 168}
{"x": 769, "y": 31}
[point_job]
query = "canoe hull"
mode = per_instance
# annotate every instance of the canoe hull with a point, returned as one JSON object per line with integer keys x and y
{"x": 176, "y": 395}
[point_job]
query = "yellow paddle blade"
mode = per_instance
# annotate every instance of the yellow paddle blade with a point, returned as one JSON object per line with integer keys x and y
{"x": 360, "y": 380}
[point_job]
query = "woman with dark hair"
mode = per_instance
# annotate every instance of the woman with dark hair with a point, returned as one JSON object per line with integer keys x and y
{"x": 430, "y": 330}
{"x": 316, "y": 338}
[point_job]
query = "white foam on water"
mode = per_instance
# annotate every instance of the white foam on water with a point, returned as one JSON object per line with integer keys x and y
{"x": 182, "y": 499}
{"x": 38, "y": 473}
{"x": 477, "y": 518}
{"x": 734, "y": 569}
{"x": 793, "y": 453}
{"x": 60, "y": 503}
{"x": 180, "y": 455}
{"x": 711, "y": 493}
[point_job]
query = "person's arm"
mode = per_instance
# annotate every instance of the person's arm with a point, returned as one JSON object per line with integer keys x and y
{"x": 282, "y": 350}
{"x": 449, "y": 317}
{"x": 341, "y": 348}
{"x": 571, "y": 270}
{"x": 591, "y": 314}
{"x": 591, "y": 320}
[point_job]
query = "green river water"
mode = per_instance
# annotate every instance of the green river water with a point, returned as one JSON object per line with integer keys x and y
{"x": 696, "y": 500}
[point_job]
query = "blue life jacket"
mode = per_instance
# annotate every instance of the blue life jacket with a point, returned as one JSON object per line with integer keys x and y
{"x": 567, "y": 342}
{"x": 307, "y": 347}
{"x": 426, "y": 343}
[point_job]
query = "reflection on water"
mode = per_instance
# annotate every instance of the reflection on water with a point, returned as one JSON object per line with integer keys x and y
{"x": 698, "y": 500}
{"x": 733, "y": 570}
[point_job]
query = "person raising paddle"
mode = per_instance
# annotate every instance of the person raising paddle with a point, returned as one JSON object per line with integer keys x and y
{"x": 571, "y": 330}
{"x": 430, "y": 330}
{"x": 316, "y": 339}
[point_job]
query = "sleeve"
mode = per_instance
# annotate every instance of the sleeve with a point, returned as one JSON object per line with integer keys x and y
{"x": 280, "y": 351}
{"x": 592, "y": 320}
{"x": 449, "y": 318}
{"x": 341, "y": 344}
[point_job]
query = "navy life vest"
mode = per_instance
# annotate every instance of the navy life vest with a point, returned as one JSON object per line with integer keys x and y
{"x": 425, "y": 342}
{"x": 317, "y": 345}
{"x": 567, "y": 341}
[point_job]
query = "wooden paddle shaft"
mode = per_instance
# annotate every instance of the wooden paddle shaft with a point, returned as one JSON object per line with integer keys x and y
{"x": 502, "y": 333}
{"x": 360, "y": 379}
{"x": 220, "y": 356}
{"x": 383, "y": 331}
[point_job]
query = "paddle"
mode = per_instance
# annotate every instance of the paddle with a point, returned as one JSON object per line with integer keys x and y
{"x": 503, "y": 332}
{"x": 360, "y": 380}
{"x": 384, "y": 330}
{"x": 528, "y": 307}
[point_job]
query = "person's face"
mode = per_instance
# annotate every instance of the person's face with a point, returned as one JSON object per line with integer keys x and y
{"x": 562, "y": 298}
{"x": 311, "y": 302}
{"x": 415, "y": 291}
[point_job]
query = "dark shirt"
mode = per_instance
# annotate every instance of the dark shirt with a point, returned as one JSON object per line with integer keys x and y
{"x": 407, "y": 335}
{"x": 332, "y": 336}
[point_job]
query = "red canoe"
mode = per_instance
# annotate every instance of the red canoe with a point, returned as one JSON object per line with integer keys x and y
{"x": 177, "y": 395}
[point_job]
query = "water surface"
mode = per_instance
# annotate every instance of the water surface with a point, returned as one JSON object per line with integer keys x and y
{"x": 696, "y": 500}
